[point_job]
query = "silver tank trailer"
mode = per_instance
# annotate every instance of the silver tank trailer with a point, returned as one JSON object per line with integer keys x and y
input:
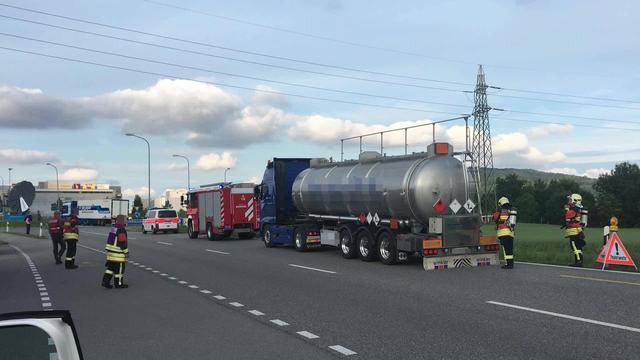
{"x": 404, "y": 187}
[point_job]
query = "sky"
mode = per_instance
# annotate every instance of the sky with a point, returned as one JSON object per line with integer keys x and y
{"x": 212, "y": 87}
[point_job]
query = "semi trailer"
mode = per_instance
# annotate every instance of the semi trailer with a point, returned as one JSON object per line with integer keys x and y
{"x": 96, "y": 212}
{"x": 378, "y": 207}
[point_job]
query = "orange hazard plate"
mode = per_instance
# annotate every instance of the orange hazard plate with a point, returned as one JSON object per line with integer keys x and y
{"x": 432, "y": 244}
{"x": 488, "y": 240}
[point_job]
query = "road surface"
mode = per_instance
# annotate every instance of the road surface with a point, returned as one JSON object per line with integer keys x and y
{"x": 236, "y": 299}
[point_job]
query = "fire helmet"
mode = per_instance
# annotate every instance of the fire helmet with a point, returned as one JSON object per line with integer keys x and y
{"x": 576, "y": 199}
{"x": 503, "y": 201}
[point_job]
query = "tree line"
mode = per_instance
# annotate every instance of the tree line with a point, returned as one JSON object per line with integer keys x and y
{"x": 615, "y": 194}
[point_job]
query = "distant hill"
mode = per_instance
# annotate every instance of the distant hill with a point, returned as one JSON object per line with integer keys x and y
{"x": 533, "y": 175}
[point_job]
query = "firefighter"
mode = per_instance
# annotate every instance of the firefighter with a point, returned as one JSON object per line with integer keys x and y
{"x": 28, "y": 219}
{"x": 70, "y": 234}
{"x": 575, "y": 217}
{"x": 117, "y": 254}
{"x": 504, "y": 217}
{"x": 55, "y": 231}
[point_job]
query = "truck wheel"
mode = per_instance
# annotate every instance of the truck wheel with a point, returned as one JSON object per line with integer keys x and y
{"x": 300, "y": 240}
{"x": 366, "y": 246}
{"x": 210, "y": 235}
{"x": 192, "y": 234}
{"x": 347, "y": 245}
{"x": 143, "y": 230}
{"x": 266, "y": 236}
{"x": 387, "y": 251}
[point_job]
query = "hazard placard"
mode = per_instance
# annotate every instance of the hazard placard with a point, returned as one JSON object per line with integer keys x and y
{"x": 614, "y": 253}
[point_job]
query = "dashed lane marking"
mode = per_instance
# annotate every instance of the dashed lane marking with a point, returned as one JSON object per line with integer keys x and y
{"x": 342, "y": 350}
{"x": 173, "y": 278}
{"x": 314, "y": 269}
{"x": 164, "y": 243}
{"x": 155, "y": 271}
{"x": 218, "y": 252}
{"x": 564, "y": 316}
{"x": 193, "y": 286}
{"x": 279, "y": 322}
{"x": 205, "y": 291}
{"x": 182, "y": 282}
{"x": 601, "y": 280}
{"x": 307, "y": 334}
{"x": 219, "y": 297}
{"x": 45, "y": 298}
{"x": 236, "y": 304}
{"x": 256, "y": 312}
{"x": 163, "y": 274}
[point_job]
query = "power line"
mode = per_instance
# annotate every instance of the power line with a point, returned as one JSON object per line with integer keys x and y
{"x": 230, "y": 58}
{"x": 116, "y": 67}
{"x": 564, "y": 123}
{"x": 247, "y": 52}
{"x": 561, "y": 101}
{"x": 569, "y": 116}
{"x": 568, "y": 95}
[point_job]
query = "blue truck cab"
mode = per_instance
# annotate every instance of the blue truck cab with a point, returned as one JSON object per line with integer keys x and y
{"x": 277, "y": 212}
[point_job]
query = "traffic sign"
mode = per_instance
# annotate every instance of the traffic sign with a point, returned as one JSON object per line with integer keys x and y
{"x": 455, "y": 206}
{"x": 614, "y": 253}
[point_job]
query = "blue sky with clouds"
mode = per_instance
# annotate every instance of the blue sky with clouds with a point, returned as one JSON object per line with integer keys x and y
{"x": 76, "y": 114}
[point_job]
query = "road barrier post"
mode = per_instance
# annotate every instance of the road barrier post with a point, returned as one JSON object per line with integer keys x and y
{"x": 7, "y": 226}
{"x": 40, "y": 235}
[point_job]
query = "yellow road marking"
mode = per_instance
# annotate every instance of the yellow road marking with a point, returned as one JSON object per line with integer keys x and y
{"x": 602, "y": 280}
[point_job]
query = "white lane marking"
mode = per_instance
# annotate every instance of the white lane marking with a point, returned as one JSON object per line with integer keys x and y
{"x": 47, "y": 304}
{"x": 164, "y": 243}
{"x": 135, "y": 263}
{"x": 155, "y": 271}
{"x": 256, "y": 312}
{"x": 44, "y": 293}
{"x": 219, "y": 297}
{"x": 149, "y": 268}
{"x": 182, "y": 282}
{"x": 96, "y": 250}
{"x": 163, "y": 274}
{"x": 172, "y": 278}
{"x": 45, "y": 298}
{"x": 218, "y": 252}
{"x": 307, "y": 334}
{"x": 342, "y": 350}
{"x": 193, "y": 286}
{"x": 101, "y": 234}
{"x": 279, "y": 322}
{"x": 205, "y": 291}
{"x": 38, "y": 281}
{"x": 577, "y": 268}
{"x": 564, "y": 316}
{"x": 315, "y": 269}
{"x": 600, "y": 280}
{"x": 236, "y": 304}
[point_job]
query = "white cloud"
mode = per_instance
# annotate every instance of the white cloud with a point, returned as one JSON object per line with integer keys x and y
{"x": 515, "y": 150}
{"x": 509, "y": 143}
{"x": 79, "y": 174}
{"x": 214, "y": 161}
{"x": 130, "y": 193}
{"x": 176, "y": 167}
{"x": 590, "y": 173}
{"x": 550, "y": 130}
{"x": 267, "y": 95}
{"x": 26, "y": 157}
{"x": 536, "y": 156}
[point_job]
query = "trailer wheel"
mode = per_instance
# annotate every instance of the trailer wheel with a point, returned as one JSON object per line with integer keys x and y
{"x": 192, "y": 234}
{"x": 366, "y": 246}
{"x": 300, "y": 240}
{"x": 347, "y": 245}
{"x": 266, "y": 236}
{"x": 387, "y": 251}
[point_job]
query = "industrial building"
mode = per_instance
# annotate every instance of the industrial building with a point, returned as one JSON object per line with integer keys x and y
{"x": 47, "y": 193}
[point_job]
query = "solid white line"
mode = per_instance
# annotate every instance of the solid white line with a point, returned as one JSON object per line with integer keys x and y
{"x": 600, "y": 280}
{"x": 342, "y": 350}
{"x": 205, "y": 291}
{"x": 219, "y": 297}
{"x": 578, "y": 268}
{"x": 307, "y": 334}
{"x": 193, "y": 286}
{"x": 279, "y": 322}
{"x": 164, "y": 243}
{"x": 570, "y": 317}
{"x": 236, "y": 304}
{"x": 256, "y": 312}
{"x": 218, "y": 252}
{"x": 310, "y": 268}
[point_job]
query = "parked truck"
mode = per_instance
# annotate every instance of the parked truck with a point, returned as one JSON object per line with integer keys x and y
{"x": 96, "y": 212}
{"x": 377, "y": 207}
{"x": 222, "y": 209}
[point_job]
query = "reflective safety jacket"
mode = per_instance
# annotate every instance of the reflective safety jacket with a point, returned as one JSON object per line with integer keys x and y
{"x": 55, "y": 226}
{"x": 573, "y": 220}
{"x": 117, "y": 248}
{"x": 70, "y": 228}
{"x": 501, "y": 218}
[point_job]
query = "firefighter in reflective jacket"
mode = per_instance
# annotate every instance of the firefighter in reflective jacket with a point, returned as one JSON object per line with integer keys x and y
{"x": 505, "y": 219}
{"x": 55, "y": 230}
{"x": 575, "y": 217}
{"x": 117, "y": 254}
{"x": 70, "y": 235}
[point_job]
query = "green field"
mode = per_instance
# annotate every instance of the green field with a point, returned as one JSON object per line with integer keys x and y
{"x": 546, "y": 244}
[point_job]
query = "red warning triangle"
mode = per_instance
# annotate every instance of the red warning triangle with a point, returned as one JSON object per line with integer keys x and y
{"x": 614, "y": 253}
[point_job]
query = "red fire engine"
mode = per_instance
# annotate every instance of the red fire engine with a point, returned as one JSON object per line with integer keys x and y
{"x": 219, "y": 210}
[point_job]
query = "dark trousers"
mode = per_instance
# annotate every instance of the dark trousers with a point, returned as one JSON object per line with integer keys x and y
{"x": 70, "y": 259}
{"x": 577, "y": 243}
{"x": 507, "y": 248}
{"x": 28, "y": 229}
{"x": 58, "y": 246}
{"x": 114, "y": 270}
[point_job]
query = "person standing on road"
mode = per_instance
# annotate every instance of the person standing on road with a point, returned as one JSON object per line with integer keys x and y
{"x": 504, "y": 218}
{"x": 117, "y": 254}
{"x": 70, "y": 234}
{"x": 55, "y": 231}
{"x": 28, "y": 219}
{"x": 575, "y": 218}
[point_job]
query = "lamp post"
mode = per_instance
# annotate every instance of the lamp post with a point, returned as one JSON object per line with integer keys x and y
{"x": 188, "y": 170}
{"x": 225, "y": 175}
{"x": 10, "y": 177}
{"x": 148, "y": 167}
{"x": 57, "y": 184}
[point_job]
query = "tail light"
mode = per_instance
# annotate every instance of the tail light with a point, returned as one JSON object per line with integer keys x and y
{"x": 492, "y": 247}
{"x": 313, "y": 233}
{"x": 430, "y": 252}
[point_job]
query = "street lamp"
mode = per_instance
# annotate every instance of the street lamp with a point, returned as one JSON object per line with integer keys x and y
{"x": 188, "y": 170}
{"x": 225, "y": 175}
{"x": 57, "y": 184}
{"x": 10, "y": 177}
{"x": 148, "y": 165}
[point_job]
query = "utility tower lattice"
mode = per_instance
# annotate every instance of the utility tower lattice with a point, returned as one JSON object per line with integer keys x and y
{"x": 481, "y": 149}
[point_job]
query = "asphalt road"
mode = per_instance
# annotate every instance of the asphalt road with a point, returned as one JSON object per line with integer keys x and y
{"x": 236, "y": 299}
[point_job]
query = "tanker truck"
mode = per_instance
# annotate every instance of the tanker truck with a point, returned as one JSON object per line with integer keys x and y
{"x": 385, "y": 208}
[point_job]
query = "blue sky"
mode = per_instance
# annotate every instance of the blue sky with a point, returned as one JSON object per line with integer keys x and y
{"x": 76, "y": 114}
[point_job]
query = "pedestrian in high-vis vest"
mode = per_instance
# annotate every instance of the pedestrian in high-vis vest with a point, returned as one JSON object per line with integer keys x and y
{"x": 575, "y": 217}
{"x": 505, "y": 220}
{"x": 71, "y": 234}
{"x": 117, "y": 254}
{"x": 55, "y": 231}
